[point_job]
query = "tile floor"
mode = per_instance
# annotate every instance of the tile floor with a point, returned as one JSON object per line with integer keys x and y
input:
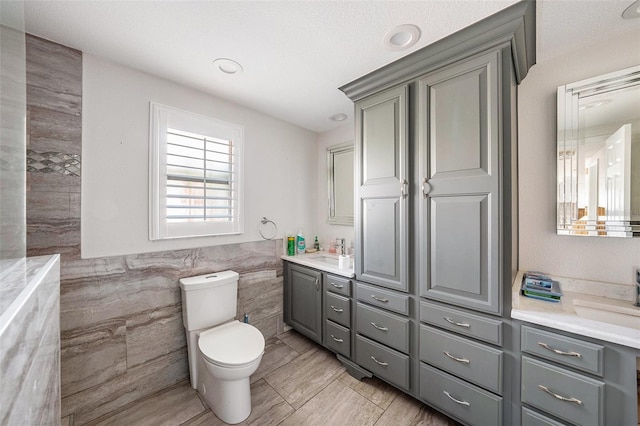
{"x": 297, "y": 383}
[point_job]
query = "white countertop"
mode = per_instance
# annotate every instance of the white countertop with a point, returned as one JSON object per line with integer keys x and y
{"x": 563, "y": 316}
{"x": 312, "y": 260}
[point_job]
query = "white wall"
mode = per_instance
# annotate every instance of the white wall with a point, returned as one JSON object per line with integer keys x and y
{"x": 600, "y": 259}
{"x": 326, "y": 232}
{"x": 280, "y": 162}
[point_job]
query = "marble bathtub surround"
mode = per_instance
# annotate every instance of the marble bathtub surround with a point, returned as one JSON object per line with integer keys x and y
{"x": 30, "y": 344}
{"x": 336, "y": 398}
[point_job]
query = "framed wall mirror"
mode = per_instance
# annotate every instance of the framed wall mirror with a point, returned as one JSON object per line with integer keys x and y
{"x": 599, "y": 156}
{"x": 340, "y": 174}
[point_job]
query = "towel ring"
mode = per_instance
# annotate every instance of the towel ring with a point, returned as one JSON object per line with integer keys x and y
{"x": 265, "y": 221}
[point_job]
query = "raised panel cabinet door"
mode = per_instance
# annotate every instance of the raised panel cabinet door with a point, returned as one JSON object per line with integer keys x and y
{"x": 459, "y": 171}
{"x": 382, "y": 189}
{"x": 305, "y": 301}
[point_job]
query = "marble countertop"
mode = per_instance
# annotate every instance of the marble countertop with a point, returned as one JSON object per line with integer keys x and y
{"x": 563, "y": 315}
{"x": 314, "y": 260}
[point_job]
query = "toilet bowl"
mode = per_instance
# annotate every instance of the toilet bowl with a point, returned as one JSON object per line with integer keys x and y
{"x": 228, "y": 355}
{"x": 223, "y": 353}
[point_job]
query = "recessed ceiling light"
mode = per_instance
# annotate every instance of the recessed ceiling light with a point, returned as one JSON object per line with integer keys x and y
{"x": 633, "y": 11}
{"x": 228, "y": 66}
{"x": 402, "y": 37}
{"x": 338, "y": 117}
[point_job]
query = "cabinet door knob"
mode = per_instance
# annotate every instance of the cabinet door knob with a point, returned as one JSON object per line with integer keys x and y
{"x": 403, "y": 188}
{"x": 426, "y": 188}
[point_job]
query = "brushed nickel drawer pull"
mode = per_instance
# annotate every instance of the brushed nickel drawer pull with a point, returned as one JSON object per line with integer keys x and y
{"x": 378, "y": 327}
{"x": 336, "y": 339}
{"x": 403, "y": 188}
{"x": 379, "y": 299}
{"x": 560, "y": 397}
{"x": 558, "y": 351}
{"x": 459, "y": 324}
{"x": 457, "y": 401}
{"x": 384, "y": 364}
{"x": 338, "y": 310}
{"x": 462, "y": 360}
{"x": 317, "y": 284}
{"x": 337, "y": 285}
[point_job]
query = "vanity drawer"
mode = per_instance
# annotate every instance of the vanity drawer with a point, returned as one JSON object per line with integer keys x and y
{"x": 338, "y": 309}
{"x": 463, "y": 400}
{"x": 459, "y": 321}
{"x": 337, "y": 338}
{"x": 469, "y": 360}
{"x": 386, "y": 299}
{"x": 570, "y": 396}
{"x": 385, "y": 363}
{"x": 340, "y": 285}
{"x": 533, "y": 418}
{"x": 564, "y": 350}
{"x": 382, "y": 326}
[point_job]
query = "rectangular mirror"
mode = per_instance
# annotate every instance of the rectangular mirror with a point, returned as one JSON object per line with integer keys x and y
{"x": 340, "y": 173}
{"x": 599, "y": 156}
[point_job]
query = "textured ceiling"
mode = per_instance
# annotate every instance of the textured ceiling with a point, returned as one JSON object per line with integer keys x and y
{"x": 295, "y": 54}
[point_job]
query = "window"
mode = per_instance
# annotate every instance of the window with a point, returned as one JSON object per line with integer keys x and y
{"x": 196, "y": 175}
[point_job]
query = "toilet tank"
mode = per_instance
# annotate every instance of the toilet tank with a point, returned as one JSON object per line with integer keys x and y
{"x": 209, "y": 300}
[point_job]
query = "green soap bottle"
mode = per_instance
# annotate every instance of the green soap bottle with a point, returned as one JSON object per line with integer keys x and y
{"x": 316, "y": 244}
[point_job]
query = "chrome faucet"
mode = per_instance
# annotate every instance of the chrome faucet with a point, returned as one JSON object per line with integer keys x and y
{"x": 340, "y": 245}
{"x": 638, "y": 287}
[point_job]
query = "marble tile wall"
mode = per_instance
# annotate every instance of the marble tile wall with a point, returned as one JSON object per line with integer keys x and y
{"x": 122, "y": 337}
{"x": 30, "y": 344}
{"x": 12, "y": 134}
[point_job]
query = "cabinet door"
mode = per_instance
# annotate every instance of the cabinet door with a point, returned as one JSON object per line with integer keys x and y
{"x": 459, "y": 170}
{"x": 304, "y": 300}
{"x": 382, "y": 189}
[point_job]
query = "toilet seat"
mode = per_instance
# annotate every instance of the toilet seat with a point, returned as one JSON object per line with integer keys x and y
{"x": 231, "y": 345}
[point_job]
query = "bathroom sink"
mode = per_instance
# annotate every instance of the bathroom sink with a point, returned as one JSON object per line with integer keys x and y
{"x": 625, "y": 316}
{"x": 331, "y": 259}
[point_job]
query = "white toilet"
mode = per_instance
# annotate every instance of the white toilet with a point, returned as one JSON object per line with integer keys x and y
{"x": 222, "y": 353}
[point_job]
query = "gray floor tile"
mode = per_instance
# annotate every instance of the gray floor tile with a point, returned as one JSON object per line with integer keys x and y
{"x": 170, "y": 407}
{"x": 406, "y": 411}
{"x": 276, "y": 354}
{"x": 337, "y": 404}
{"x": 297, "y": 341}
{"x": 305, "y": 376}
{"x": 374, "y": 389}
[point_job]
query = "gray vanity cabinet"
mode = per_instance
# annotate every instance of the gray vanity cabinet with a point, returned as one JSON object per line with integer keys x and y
{"x": 459, "y": 116}
{"x": 382, "y": 185}
{"x": 303, "y": 300}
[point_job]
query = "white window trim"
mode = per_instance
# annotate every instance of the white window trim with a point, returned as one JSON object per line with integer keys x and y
{"x": 159, "y": 229}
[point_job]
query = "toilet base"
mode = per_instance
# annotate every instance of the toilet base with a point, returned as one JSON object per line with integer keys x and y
{"x": 230, "y": 400}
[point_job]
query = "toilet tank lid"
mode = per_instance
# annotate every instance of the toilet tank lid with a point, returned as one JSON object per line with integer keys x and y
{"x": 213, "y": 279}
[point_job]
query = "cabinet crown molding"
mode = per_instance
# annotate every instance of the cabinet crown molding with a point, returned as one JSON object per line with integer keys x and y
{"x": 514, "y": 26}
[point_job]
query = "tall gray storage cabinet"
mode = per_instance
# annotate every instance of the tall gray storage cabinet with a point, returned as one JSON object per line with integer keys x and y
{"x": 436, "y": 217}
